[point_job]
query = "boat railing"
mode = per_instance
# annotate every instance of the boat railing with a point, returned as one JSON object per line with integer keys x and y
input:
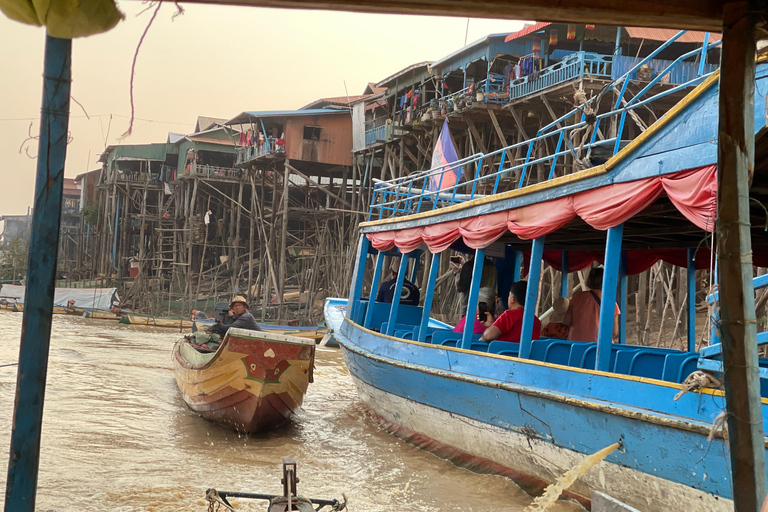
{"x": 578, "y": 146}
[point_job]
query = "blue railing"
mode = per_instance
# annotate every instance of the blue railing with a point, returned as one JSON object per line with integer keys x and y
{"x": 570, "y": 68}
{"x": 268, "y": 146}
{"x": 374, "y": 135}
{"x": 424, "y": 190}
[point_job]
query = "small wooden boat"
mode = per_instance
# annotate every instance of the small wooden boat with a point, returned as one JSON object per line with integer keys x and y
{"x": 155, "y": 322}
{"x": 253, "y": 381}
{"x": 311, "y": 333}
{"x": 100, "y": 315}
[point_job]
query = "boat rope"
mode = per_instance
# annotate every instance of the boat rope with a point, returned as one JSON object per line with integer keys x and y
{"x": 214, "y": 501}
{"x": 719, "y": 425}
{"x": 8, "y": 364}
{"x": 697, "y": 381}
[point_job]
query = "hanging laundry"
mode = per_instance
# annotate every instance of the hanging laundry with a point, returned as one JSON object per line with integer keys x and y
{"x": 590, "y": 27}
{"x": 553, "y": 37}
{"x": 537, "y": 45}
{"x": 571, "y": 34}
{"x": 518, "y": 70}
{"x": 208, "y": 217}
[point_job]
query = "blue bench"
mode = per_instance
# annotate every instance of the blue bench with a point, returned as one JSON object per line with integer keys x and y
{"x": 408, "y": 315}
{"x": 558, "y": 352}
{"x": 676, "y": 365}
{"x": 504, "y": 348}
{"x": 539, "y": 348}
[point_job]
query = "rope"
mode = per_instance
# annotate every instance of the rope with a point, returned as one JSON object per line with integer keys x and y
{"x": 697, "y": 381}
{"x": 214, "y": 501}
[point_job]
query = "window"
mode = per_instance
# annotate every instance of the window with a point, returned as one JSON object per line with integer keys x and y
{"x": 311, "y": 133}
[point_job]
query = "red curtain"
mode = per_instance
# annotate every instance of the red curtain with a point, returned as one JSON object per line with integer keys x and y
{"x": 693, "y": 192}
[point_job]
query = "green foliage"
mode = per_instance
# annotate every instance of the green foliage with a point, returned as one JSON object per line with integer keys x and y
{"x": 91, "y": 212}
{"x": 13, "y": 260}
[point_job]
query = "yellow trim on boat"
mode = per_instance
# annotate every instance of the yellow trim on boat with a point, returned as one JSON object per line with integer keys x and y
{"x": 577, "y": 176}
{"x": 645, "y": 380}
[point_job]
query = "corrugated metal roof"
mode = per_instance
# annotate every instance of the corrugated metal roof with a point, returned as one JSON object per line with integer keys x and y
{"x": 410, "y": 69}
{"x": 528, "y": 29}
{"x": 245, "y": 117}
{"x": 205, "y": 122}
{"x": 664, "y": 34}
{"x": 174, "y": 137}
{"x": 210, "y": 140}
{"x": 471, "y": 48}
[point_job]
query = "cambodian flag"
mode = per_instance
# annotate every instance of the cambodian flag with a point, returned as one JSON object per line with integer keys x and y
{"x": 445, "y": 153}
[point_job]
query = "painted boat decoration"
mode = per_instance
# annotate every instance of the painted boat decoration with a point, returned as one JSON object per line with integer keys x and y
{"x": 334, "y": 310}
{"x": 255, "y": 380}
{"x": 531, "y": 409}
{"x": 155, "y": 322}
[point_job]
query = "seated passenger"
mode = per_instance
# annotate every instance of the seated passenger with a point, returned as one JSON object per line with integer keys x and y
{"x": 556, "y": 328}
{"x": 409, "y": 295}
{"x": 486, "y": 309}
{"x": 509, "y": 325}
{"x": 583, "y": 315}
{"x": 239, "y": 318}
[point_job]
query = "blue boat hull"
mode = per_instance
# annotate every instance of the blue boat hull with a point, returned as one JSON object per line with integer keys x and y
{"x": 533, "y": 421}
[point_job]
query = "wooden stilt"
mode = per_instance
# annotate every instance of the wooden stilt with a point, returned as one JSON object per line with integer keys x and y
{"x": 736, "y": 159}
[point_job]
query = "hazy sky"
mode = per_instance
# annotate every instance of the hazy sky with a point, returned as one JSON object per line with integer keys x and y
{"x": 214, "y": 61}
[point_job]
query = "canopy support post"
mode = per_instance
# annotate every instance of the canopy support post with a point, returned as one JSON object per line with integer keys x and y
{"x": 356, "y": 288}
{"x": 738, "y": 330}
{"x": 691, "y": 284}
{"x": 474, "y": 294}
{"x": 24, "y": 460}
{"x": 623, "y": 298}
{"x": 396, "y": 296}
{"x": 531, "y": 293}
{"x": 374, "y": 290}
{"x": 564, "y": 274}
{"x": 434, "y": 269}
{"x": 608, "y": 299}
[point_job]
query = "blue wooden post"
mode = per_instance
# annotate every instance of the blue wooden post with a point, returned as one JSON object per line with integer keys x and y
{"x": 518, "y": 265}
{"x": 623, "y": 298}
{"x": 21, "y": 484}
{"x": 564, "y": 274}
{"x": 691, "y": 276}
{"x": 474, "y": 293}
{"x": 434, "y": 268}
{"x": 531, "y": 294}
{"x": 608, "y": 300}
{"x": 396, "y": 296}
{"x": 374, "y": 290}
{"x": 416, "y": 265}
{"x": 356, "y": 287}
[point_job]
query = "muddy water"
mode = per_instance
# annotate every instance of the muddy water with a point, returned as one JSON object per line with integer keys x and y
{"x": 118, "y": 437}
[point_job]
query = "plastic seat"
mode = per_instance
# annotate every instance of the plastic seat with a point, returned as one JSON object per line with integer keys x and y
{"x": 646, "y": 363}
{"x": 558, "y": 352}
{"x": 504, "y": 348}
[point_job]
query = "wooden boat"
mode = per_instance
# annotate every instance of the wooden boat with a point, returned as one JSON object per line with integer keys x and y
{"x": 255, "y": 380}
{"x": 311, "y": 333}
{"x": 532, "y": 409}
{"x": 155, "y": 322}
{"x": 100, "y": 315}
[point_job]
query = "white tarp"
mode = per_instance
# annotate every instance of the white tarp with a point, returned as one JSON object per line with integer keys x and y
{"x": 90, "y": 298}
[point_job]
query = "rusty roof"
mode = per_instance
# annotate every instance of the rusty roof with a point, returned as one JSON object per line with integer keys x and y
{"x": 664, "y": 34}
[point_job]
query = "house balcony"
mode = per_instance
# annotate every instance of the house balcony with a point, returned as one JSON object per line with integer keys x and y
{"x": 375, "y": 135}
{"x": 269, "y": 148}
{"x": 213, "y": 171}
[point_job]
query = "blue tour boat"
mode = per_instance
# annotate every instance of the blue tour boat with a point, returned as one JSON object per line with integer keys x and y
{"x": 531, "y": 410}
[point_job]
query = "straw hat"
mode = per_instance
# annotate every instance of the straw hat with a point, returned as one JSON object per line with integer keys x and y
{"x": 239, "y": 298}
{"x": 560, "y": 307}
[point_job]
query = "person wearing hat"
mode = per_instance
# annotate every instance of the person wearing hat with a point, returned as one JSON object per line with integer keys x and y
{"x": 556, "y": 328}
{"x": 243, "y": 319}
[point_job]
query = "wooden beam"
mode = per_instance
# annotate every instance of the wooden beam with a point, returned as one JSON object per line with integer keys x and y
{"x": 518, "y": 122}
{"x": 411, "y": 155}
{"x": 690, "y": 14}
{"x": 313, "y": 182}
{"x": 475, "y": 134}
{"x": 500, "y": 134}
{"x": 738, "y": 329}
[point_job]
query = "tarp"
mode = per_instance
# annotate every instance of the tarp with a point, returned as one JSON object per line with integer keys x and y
{"x": 693, "y": 192}
{"x": 89, "y": 298}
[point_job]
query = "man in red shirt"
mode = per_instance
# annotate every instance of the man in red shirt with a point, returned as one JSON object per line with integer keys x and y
{"x": 509, "y": 324}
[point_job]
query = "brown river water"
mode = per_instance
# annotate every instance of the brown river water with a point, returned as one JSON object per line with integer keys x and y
{"x": 117, "y": 436}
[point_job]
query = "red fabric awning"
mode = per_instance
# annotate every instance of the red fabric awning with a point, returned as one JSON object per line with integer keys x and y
{"x": 693, "y": 192}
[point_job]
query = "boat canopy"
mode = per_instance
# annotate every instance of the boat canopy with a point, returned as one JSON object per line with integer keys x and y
{"x": 87, "y": 298}
{"x": 693, "y": 192}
